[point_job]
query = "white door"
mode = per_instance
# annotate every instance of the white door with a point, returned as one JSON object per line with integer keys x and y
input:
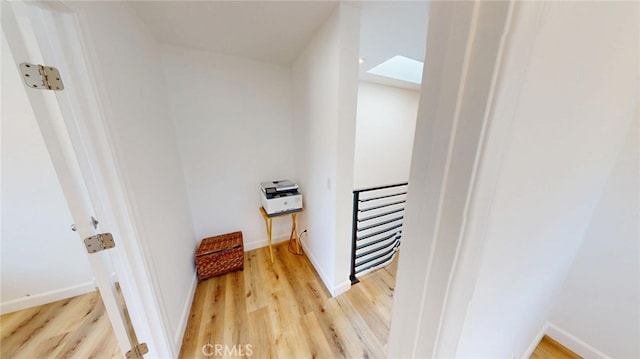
{"x": 72, "y": 160}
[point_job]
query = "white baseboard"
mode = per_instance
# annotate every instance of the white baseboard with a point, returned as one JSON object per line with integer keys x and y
{"x": 341, "y": 288}
{"x": 186, "y": 311}
{"x": 46, "y": 297}
{"x": 574, "y": 343}
{"x": 536, "y": 340}
{"x": 333, "y": 290}
{"x": 248, "y": 246}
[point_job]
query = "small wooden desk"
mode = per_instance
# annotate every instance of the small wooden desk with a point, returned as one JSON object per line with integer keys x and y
{"x": 268, "y": 221}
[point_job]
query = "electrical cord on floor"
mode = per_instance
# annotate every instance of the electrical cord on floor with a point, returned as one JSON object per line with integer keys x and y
{"x": 299, "y": 244}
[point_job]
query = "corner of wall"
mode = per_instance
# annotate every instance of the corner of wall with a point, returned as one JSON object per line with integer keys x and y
{"x": 248, "y": 246}
{"x": 348, "y": 68}
{"x": 536, "y": 340}
{"x": 47, "y": 297}
{"x": 335, "y": 289}
{"x": 184, "y": 314}
{"x": 574, "y": 343}
{"x": 340, "y": 288}
{"x": 328, "y": 284}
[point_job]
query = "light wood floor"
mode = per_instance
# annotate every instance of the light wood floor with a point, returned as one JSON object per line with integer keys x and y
{"x": 282, "y": 310}
{"x": 77, "y": 327}
{"x": 551, "y": 349}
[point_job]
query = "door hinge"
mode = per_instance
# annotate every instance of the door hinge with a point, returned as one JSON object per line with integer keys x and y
{"x": 41, "y": 77}
{"x": 99, "y": 242}
{"x": 137, "y": 351}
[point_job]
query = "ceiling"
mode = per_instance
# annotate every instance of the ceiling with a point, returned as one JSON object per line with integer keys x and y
{"x": 276, "y": 31}
{"x": 271, "y": 31}
{"x": 390, "y": 28}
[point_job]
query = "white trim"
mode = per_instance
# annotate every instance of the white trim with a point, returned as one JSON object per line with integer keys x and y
{"x": 85, "y": 120}
{"x": 440, "y": 315}
{"x": 574, "y": 343}
{"x": 536, "y": 340}
{"x": 327, "y": 284}
{"x": 261, "y": 243}
{"x": 47, "y": 297}
{"x": 186, "y": 311}
{"x": 472, "y": 200}
{"x": 487, "y": 168}
{"x": 457, "y": 11}
{"x": 464, "y": 73}
{"x": 567, "y": 339}
{"x": 341, "y": 288}
{"x": 22, "y": 27}
{"x": 139, "y": 285}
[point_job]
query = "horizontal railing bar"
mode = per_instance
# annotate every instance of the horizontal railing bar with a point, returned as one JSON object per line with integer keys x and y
{"x": 381, "y": 197}
{"x": 375, "y": 242}
{"x": 375, "y": 257}
{"x": 371, "y": 251}
{"x": 381, "y": 215}
{"x": 379, "y": 226}
{"x": 380, "y": 206}
{"x": 376, "y": 264}
{"x": 380, "y": 187}
{"x": 380, "y": 232}
{"x": 380, "y": 223}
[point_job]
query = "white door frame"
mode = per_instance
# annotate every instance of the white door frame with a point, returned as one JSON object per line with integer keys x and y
{"x": 453, "y": 178}
{"x": 84, "y": 139}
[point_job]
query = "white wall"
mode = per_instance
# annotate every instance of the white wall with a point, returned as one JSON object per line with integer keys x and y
{"x": 234, "y": 124}
{"x": 139, "y": 123}
{"x": 42, "y": 259}
{"x": 385, "y": 127}
{"x": 599, "y": 301}
{"x": 575, "y": 104}
{"x": 462, "y": 47}
{"x": 483, "y": 260}
{"x": 325, "y": 96}
{"x": 349, "y": 44}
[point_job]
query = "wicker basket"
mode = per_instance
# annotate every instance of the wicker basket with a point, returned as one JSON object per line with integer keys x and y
{"x": 220, "y": 254}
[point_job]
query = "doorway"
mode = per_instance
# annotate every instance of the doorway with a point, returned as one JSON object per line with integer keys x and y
{"x": 81, "y": 166}
{"x": 392, "y": 51}
{"x": 47, "y": 281}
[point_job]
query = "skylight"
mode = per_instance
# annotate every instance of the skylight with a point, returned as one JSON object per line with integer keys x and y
{"x": 400, "y": 68}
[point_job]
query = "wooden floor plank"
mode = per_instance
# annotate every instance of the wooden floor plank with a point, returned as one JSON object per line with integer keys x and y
{"x": 282, "y": 310}
{"x": 71, "y": 316}
{"x": 273, "y": 310}
{"x": 548, "y": 348}
{"x": 369, "y": 336}
{"x": 71, "y": 328}
{"x": 270, "y": 310}
{"x": 29, "y": 329}
{"x": 318, "y": 344}
{"x": 262, "y": 338}
{"x": 236, "y": 319}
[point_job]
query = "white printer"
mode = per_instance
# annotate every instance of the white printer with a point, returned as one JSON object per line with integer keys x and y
{"x": 280, "y": 196}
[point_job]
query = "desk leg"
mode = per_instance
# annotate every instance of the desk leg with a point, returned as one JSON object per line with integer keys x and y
{"x": 294, "y": 234}
{"x": 269, "y": 224}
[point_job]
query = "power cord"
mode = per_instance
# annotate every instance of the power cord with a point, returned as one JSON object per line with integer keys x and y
{"x": 299, "y": 244}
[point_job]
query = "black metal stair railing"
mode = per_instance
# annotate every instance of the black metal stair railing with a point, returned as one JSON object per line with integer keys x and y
{"x": 378, "y": 214}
